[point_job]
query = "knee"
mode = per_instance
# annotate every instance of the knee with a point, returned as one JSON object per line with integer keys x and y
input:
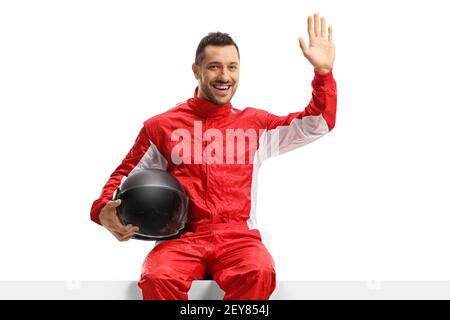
{"x": 261, "y": 278}
{"x": 250, "y": 273}
{"x": 163, "y": 284}
{"x": 254, "y": 283}
{"x": 263, "y": 273}
{"x": 157, "y": 276}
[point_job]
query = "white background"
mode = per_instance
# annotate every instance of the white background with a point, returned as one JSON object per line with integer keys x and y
{"x": 367, "y": 201}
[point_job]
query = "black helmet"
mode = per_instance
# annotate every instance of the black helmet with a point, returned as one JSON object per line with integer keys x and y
{"x": 155, "y": 201}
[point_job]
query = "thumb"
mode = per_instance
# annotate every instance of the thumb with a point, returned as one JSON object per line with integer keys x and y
{"x": 114, "y": 203}
{"x": 302, "y": 44}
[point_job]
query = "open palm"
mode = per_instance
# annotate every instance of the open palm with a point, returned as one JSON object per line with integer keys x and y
{"x": 321, "y": 51}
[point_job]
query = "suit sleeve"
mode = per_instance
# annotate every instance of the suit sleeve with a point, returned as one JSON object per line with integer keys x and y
{"x": 132, "y": 159}
{"x": 285, "y": 133}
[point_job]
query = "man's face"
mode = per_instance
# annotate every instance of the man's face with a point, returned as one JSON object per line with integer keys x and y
{"x": 218, "y": 75}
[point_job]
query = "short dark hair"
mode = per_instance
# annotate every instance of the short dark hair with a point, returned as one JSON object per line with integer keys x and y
{"x": 214, "y": 39}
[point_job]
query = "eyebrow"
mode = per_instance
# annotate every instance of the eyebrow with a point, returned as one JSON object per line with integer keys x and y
{"x": 218, "y": 62}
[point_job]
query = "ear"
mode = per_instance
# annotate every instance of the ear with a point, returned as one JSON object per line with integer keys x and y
{"x": 196, "y": 70}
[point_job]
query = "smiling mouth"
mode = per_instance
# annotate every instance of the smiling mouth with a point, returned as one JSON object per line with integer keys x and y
{"x": 221, "y": 88}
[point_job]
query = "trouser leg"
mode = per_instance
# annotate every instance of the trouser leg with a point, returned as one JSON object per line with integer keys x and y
{"x": 244, "y": 268}
{"x": 170, "y": 268}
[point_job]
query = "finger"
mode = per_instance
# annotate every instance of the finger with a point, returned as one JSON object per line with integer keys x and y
{"x": 116, "y": 226}
{"x": 310, "y": 28}
{"x": 132, "y": 228}
{"x": 116, "y": 220}
{"x": 302, "y": 45}
{"x": 123, "y": 230}
{"x": 330, "y": 34}
{"x": 126, "y": 236}
{"x": 118, "y": 232}
{"x": 117, "y": 235}
{"x": 316, "y": 24}
{"x": 121, "y": 235}
{"x": 113, "y": 203}
{"x": 113, "y": 224}
{"x": 323, "y": 28}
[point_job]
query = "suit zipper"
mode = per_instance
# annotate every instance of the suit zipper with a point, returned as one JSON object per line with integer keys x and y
{"x": 206, "y": 169}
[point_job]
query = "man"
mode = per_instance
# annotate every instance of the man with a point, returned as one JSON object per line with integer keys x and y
{"x": 215, "y": 150}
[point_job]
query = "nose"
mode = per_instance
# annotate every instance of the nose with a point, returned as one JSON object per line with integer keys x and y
{"x": 223, "y": 75}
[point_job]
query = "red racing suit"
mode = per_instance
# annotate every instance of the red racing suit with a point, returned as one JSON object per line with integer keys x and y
{"x": 198, "y": 142}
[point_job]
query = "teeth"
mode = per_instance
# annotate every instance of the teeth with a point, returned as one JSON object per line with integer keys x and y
{"x": 221, "y": 87}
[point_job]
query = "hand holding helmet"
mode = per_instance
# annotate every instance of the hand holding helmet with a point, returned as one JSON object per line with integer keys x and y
{"x": 108, "y": 218}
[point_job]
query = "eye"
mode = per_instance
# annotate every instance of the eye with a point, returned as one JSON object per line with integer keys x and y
{"x": 233, "y": 68}
{"x": 213, "y": 67}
